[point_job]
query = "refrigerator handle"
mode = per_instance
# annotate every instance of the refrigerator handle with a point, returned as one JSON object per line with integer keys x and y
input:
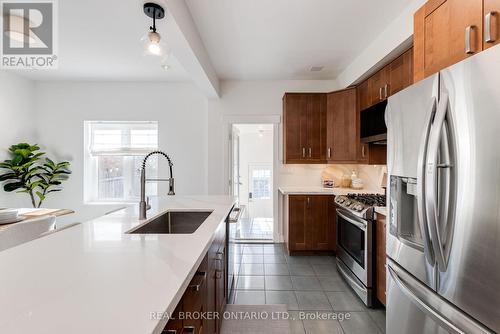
{"x": 422, "y": 218}
{"x": 431, "y": 181}
{"x": 429, "y": 302}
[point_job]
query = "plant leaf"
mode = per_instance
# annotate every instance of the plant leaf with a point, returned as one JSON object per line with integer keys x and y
{"x": 40, "y": 195}
{"x": 8, "y": 176}
{"x": 9, "y": 187}
{"x": 17, "y": 160}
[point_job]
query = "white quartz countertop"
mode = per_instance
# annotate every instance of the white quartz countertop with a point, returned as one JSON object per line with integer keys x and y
{"x": 318, "y": 190}
{"x": 94, "y": 278}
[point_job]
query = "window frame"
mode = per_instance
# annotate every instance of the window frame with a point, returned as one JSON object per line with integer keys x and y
{"x": 91, "y": 167}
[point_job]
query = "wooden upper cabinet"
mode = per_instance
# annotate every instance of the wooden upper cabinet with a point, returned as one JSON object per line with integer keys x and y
{"x": 304, "y": 117}
{"x": 342, "y": 123}
{"x": 491, "y": 23}
{"x": 364, "y": 98}
{"x": 378, "y": 85}
{"x": 295, "y": 131}
{"x": 316, "y": 128}
{"x": 401, "y": 72}
{"x": 446, "y": 32}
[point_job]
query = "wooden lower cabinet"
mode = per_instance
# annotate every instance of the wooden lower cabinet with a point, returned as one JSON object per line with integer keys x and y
{"x": 311, "y": 223}
{"x": 207, "y": 293}
{"x": 380, "y": 227}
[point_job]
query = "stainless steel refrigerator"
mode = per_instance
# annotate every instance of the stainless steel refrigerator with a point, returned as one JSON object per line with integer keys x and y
{"x": 443, "y": 236}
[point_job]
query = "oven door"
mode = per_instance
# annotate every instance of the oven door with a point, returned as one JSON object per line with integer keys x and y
{"x": 354, "y": 245}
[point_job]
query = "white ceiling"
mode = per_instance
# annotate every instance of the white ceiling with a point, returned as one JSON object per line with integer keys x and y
{"x": 282, "y": 39}
{"x": 101, "y": 40}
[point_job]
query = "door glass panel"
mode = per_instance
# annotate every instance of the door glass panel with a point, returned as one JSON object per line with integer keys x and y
{"x": 261, "y": 182}
{"x": 352, "y": 240}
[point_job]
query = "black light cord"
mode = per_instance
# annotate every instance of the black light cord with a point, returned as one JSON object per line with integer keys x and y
{"x": 153, "y": 28}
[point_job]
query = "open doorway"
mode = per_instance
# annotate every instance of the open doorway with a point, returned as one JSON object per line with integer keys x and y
{"x": 252, "y": 173}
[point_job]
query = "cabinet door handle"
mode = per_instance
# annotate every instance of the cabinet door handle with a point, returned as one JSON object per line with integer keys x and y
{"x": 363, "y": 151}
{"x": 380, "y": 93}
{"x": 487, "y": 28}
{"x": 201, "y": 278}
{"x": 329, "y": 152}
{"x": 386, "y": 90}
{"x": 468, "y": 36}
{"x": 310, "y": 152}
{"x": 303, "y": 152}
{"x": 308, "y": 201}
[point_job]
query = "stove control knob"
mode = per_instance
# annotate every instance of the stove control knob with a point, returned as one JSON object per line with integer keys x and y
{"x": 359, "y": 207}
{"x": 347, "y": 203}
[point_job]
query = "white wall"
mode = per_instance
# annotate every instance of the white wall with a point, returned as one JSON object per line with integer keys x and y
{"x": 16, "y": 119}
{"x": 181, "y": 112}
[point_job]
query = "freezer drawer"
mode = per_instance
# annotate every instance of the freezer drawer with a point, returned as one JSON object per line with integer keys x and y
{"x": 413, "y": 308}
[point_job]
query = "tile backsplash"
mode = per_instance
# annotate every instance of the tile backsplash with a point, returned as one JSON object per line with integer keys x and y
{"x": 313, "y": 175}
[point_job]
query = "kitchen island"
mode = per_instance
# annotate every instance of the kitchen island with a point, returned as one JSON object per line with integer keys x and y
{"x": 96, "y": 278}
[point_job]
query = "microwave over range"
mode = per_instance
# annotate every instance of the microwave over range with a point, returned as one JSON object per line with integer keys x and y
{"x": 372, "y": 124}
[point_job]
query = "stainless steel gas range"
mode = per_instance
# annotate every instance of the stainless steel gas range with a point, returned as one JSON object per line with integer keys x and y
{"x": 356, "y": 241}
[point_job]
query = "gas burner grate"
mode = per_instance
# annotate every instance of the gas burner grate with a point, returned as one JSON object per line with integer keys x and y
{"x": 369, "y": 199}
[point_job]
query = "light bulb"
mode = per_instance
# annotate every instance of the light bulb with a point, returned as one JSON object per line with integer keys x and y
{"x": 154, "y": 48}
{"x": 153, "y": 45}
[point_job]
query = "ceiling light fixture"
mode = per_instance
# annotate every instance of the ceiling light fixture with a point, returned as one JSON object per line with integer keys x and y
{"x": 156, "y": 12}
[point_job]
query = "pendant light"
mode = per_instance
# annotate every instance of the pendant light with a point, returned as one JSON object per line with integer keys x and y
{"x": 153, "y": 38}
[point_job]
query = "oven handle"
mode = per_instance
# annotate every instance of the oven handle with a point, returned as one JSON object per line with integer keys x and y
{"x": 358, "y": 224}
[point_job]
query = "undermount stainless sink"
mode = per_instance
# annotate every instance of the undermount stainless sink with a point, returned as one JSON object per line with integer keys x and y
{"x": 173, "y": 222}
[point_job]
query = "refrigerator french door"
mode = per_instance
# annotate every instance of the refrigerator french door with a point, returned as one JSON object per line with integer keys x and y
{"x": 444, "y": 208}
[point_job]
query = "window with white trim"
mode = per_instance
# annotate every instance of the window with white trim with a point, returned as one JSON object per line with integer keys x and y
{"x": 113, "y": 155}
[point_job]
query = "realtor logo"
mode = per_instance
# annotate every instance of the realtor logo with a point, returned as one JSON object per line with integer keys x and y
{"x": 28, "y": 34}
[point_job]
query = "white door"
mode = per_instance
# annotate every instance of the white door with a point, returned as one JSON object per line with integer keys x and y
{"x": 260, "y": 196}
{"x": 236, "y": 179}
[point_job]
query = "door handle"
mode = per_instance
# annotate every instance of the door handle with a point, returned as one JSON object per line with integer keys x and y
{"x": 468, "y": 37}
{"x": 422, "y": 215}
{"x": 422, "y": 305}
{"x": 431, "y": 181}
{"x": 303, "y": 152}
{"x": 329, "y": 152}
{"x": 386, "y": 90}
{"x": 359, "y": 225}
{"x": 487, "y": 28}
{"x": 449, "y": 317}
{"x": 310, "y": 152}
{"x": 380, "y": 93}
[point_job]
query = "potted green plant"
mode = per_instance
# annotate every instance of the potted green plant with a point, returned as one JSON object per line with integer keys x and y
{"x": 28, "y": 171}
